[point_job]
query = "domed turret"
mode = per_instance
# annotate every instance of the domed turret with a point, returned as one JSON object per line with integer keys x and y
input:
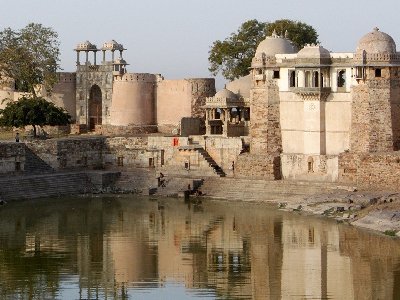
{"x": 112, "y": 45}
{"x": 226, "y": 94}
{"x": 86, "y": 46}
{"x": 377, "y": 42}
{"x": 313, "y": 51}
{"x": 275, "y": 44}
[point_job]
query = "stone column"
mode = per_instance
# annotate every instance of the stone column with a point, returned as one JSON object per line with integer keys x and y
{"x": 301, "y": 79}
{"x": 77, "y": 57}
{"x": 112, "y": 55}
{"x": 94, "y": 57}
{"x": 87, "y": 57}
{"x": 104, "y": 56}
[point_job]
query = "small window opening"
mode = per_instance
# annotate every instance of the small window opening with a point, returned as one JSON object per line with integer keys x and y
{"x": 276, "y": 74}
{"x": 120, "y": 161}
{"x": 310, "y": 165}
{"x": 360, "y": 73}
{"x": 316, "y": 79}
{"x": 151, "y": 162}
{"x": 341, "y": 81}
{"x": 378, "y": 72}
{"x": 292, "y": 79}
{"x": 17, "y": 166}
{"x": 187, "y": 165}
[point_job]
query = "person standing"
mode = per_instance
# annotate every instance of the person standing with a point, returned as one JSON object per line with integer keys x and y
{"x": 17, "y": 137}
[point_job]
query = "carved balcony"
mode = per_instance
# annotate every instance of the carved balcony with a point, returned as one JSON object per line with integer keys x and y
{"x": 312, "y": 93}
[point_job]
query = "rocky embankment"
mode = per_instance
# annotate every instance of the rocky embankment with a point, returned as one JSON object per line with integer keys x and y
{"x": 373, "y": 210}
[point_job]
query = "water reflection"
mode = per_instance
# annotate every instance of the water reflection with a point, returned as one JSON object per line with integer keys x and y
{"x": 128, "y": 248}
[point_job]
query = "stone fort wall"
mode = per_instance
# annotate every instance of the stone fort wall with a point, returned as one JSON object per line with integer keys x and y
{"x": 133, "y": 100}
{"x": 181, "y": 98}
{"x": 371, "y": 170}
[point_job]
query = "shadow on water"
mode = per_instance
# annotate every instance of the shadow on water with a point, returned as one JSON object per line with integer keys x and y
{"x": 123, "y": 247}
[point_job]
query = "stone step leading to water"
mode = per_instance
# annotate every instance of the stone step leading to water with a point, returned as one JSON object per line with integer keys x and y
{"x": 48, "y": 185}
{"x": 34, "y": 164}
{"x": 257, "y": 190}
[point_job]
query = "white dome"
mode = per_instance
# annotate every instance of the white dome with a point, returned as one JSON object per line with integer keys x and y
{"x": 377, "y": 42}
{"x": 86, "y": 46}
{"x": 275, "y": 45}
{"x": 112, "y": 45}
{"x": 226, "y": 94}
{"x": 314, "y": 51}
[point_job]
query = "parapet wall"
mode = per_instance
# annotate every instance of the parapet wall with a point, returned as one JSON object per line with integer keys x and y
{"x": 373, "y": 170}
{"x": 70, "y": 153}
{"x": 12, "y": 157}
{"x": 127, "y": 152}
{"x": 64, "y": 93}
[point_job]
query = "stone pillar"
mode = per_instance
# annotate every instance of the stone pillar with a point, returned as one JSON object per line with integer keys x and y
{"x": 104, "y": 56}
{"x": 94, "y": 57}
{"x": 77, "y": 58}
{"x": 265, "y": 129}
{"x": 112, "y": 55}
{"x": 301, "y": 78}
{"x": 87, "y": 57}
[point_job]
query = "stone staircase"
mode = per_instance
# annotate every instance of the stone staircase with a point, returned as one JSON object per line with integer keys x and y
{"x": 34, "y": 164}
{"x": 137, "y": 180}
{"x": 211, "y": 162}
{"x": 262, "y": 190}
{"x": 41, "y": 186}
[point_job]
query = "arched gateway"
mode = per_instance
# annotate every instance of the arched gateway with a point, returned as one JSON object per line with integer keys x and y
{"x": 95, "y": 107}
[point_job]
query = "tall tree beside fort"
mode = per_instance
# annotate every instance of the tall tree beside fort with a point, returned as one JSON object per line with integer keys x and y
{"x": 30, "y": 56}
{"x": 232, "y": 56}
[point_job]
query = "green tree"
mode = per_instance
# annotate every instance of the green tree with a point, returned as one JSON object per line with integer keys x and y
{"x": 35, "y": 111}
{"x": 29, "y": 56}
{"x": 233, "y": 55}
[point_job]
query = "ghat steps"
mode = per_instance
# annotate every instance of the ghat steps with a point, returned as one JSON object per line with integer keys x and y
{"x": 262, "y": 190}
{"x": 34, "y": 164}
{"x": 41, "y": 186}
{"x": 136, "y": 180}
{"x": 211, "y": 162}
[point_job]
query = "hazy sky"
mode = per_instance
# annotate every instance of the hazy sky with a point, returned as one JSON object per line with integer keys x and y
{"x": 173, "y": 37}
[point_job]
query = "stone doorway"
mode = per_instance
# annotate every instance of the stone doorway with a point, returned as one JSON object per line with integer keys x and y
{"x": 95, "y": 107}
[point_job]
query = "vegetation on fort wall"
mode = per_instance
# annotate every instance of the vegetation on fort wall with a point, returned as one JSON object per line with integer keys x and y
{"x": 232, "y": 56}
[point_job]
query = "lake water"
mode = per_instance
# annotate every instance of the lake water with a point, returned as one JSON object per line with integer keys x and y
{"x": 125, "y": 247}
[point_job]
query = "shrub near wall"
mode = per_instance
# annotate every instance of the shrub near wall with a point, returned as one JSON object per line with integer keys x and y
{"x": 374, "y": 170}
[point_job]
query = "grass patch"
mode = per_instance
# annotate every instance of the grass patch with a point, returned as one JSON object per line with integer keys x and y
{"x": 390, "y": 232}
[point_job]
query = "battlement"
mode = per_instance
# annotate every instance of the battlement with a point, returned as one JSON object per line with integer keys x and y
{"x": 136, "y": 77}
{"x": 66, "y": 76}
{"x": 377, "y": 57}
